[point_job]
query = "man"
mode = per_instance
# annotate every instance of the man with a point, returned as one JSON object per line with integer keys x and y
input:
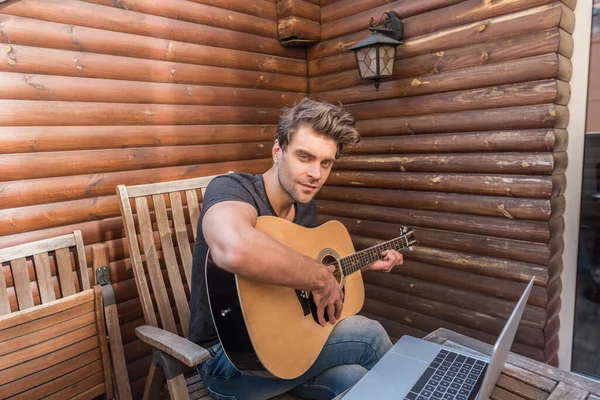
{"x": 310, "y": 137}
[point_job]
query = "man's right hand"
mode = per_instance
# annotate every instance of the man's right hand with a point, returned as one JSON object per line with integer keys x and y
{"x": 328, "y": 297}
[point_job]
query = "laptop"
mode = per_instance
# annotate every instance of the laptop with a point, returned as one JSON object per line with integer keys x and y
{"x": 415, "y": 369}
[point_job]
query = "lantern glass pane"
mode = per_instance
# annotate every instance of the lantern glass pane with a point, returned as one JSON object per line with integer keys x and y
{"x": 367, "y": 62}
{"x": 387, "y": 55}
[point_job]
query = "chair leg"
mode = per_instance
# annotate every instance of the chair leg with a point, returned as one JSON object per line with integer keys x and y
{"x": 173, "y": 373}
{"x": 154, "y": 382}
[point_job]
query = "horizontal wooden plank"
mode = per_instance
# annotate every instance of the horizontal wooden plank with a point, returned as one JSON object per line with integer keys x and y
{"x": 334, "y": 10}
{"x": 492, "y": 283}
{"x": 539, "y": 187}
{"x": 429, "y": 324}
{"x": 27, "y": 340}
{"x": 45, "y": 310}
{"x": 34, "y": 139}
{"x": 517, "y": 250}
{"x": 198, "y": 13}
{"x": 30, "y": 192}
{"x": 405, "y": 9}
{"x": 506, "y": 141}
{"x": 401, "y": 279}
{"x": 61, "y": 382}
{"x": 38, "y": 33}
{"x": 156, "y": 188}
{"x": 33, "y": 165}
{"x": 38, "y": 113}
{"x": 36, "y": 60}
{"x": 48, "y": 360}
{"x": 487, "y": 266}
{"x": 298, "y": 8}
{"x": 511, "y": 208}
{"x": 49, "y": 346}
{"x": 496, "y": 163}
{"x": 531, "y": 20}
{"x": 89, "y": 387}
{"x": 338, "y": 72}
{"x": 50, "y": 374}
{"x": 521, "y": 70}
{"x": 498, "y": 227}
{"x": 468, "y": 318}
{"x": 520, "y": 94}
{"x": 73, "y": 12}
{"x": 42, "y": 246}
{"x": 18, "y": 220}
{"x": 40, "y": 321}
{"x": 293, "y": 29}
{"x": 19, "y": 86}
{"x": 258, "y": 8}
{"x": 509, "y": 118}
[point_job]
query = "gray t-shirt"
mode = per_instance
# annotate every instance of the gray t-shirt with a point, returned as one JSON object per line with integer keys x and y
{"x": 237, "y": 187}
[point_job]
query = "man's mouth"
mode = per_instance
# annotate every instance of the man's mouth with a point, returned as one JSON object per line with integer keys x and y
{"x": 309, "y": 187}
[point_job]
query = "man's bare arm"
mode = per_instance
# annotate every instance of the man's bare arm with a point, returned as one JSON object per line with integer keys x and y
{"x": 238, "y": 247}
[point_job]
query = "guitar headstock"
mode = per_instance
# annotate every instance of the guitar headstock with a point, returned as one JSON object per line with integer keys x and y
{"x": 409, "y": 235}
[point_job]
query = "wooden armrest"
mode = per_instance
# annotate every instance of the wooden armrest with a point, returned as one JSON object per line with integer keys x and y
{"x": 174, "y": 345}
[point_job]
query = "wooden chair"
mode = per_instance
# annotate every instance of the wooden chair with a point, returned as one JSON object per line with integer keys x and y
{"x": 30, "y": 288}
{"x": 165, "y": 225}
{"x": 164, "y": 222}
{"x": 52, "y": 336}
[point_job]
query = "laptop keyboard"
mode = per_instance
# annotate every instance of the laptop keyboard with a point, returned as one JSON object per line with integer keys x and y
{"x": 450, "y": 376}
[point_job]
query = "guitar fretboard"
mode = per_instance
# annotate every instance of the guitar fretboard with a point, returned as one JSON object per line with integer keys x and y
{"x": 361, "y": 259}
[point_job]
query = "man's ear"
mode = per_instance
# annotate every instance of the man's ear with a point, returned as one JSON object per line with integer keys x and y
{"x": 276, "y": 151}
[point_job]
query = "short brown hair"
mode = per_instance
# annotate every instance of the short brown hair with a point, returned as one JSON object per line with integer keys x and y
{"x": 324, "y": 118}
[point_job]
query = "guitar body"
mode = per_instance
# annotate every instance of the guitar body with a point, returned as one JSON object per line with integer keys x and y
{"x": 270, "y": 330}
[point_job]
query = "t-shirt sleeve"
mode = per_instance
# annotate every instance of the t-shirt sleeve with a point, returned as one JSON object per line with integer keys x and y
{"x": 225, "y": 188}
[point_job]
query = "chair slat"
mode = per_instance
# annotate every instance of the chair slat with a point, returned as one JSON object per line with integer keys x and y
{"x": 44, "y": 277}
{"x": 81, "y": 263}
{"x": 39, "y": 246}
{"x": 156, "y": 278}
{"x": 22, "y": 283}
{"x": 165, "y": 187}
{"x": 183, "y": 241}
{"x": 65, "y": 272}
{"x": 193, "y": 209}
{"x": 4, "y": 304}
{"x": 162, "y": 218}
{"x": 134, "y": 251}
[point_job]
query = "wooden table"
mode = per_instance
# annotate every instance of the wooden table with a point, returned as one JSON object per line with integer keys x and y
{"x": 523, "y": 378}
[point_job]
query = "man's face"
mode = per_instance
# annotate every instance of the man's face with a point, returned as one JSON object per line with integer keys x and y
{"x": 306, "y": 163}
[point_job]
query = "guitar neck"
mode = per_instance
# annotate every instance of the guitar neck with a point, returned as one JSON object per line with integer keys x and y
{"x": 363, "y": 258}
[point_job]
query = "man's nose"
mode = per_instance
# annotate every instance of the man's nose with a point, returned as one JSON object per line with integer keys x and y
{"x": 314, "y": 171}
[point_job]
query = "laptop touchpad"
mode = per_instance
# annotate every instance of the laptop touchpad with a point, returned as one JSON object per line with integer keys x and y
{"x": 391, "y": 378}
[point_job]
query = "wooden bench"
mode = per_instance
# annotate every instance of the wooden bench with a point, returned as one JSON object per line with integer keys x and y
{"x": 52, "y": 335}
{"x": 160, "y": 223}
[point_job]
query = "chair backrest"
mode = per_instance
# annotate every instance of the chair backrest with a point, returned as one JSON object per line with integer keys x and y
{"x": 42, "y": 271}
{"x": 162, "y": 217}
{"x": 56, "y": 350}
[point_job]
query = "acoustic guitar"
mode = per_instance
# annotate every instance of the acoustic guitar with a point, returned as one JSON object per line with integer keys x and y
{"x": 273, "y": 331}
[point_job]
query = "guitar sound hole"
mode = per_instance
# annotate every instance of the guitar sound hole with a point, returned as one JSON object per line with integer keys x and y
{"x": 332, "y": 260}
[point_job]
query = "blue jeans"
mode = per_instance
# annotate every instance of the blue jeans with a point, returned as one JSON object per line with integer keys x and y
{"x": 354, "y": 347}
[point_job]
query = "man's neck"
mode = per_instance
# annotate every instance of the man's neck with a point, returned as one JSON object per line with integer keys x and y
{"x": 282, "y": 204}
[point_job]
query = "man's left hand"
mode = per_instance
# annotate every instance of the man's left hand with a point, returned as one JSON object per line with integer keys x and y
{"x": 391, "y": 258}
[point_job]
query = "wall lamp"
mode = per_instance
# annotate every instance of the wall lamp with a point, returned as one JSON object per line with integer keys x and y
{"x": 376, "y": 54}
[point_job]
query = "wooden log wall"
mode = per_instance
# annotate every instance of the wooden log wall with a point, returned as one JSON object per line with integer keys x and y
{"x": 99, "y": 93}
{"x": 465, "y": 143}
